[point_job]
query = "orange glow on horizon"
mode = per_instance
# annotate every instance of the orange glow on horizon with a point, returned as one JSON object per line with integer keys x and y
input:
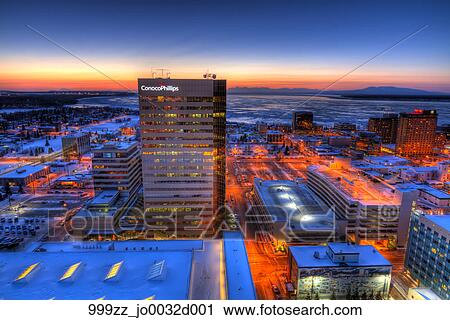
{"x": 82, "y": 79}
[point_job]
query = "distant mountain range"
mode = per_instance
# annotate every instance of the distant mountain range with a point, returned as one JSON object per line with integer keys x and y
{"x": 369, "y": 91}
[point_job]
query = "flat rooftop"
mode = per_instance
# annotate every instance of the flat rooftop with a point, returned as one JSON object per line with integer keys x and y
{"x": 105, "y": 198}
{"x": 357, "y": 187}
{"x": 442, "y": 221}
{"x": 115, "y": 145}
{"x": 158, "y": 269}
{"x": 316, "y": 256}
{"x": 23, "y": 171}
{"x": 239, "y": 278}
{"x": 388, "y": 160}
{"x": 76, "y": 135}
{"x": 285, "y": 199}
{"x": 123, "y": 270}
{"x": 89, "y": 283}
{"x": 435, "y": 192}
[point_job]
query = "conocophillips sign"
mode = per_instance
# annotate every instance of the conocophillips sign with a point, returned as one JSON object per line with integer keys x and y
{"x": 160, "y": 88}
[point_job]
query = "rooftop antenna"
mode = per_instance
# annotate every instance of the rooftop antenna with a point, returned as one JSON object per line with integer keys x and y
{"x": 208, "y": 75}
{"x": 160, "y": 73}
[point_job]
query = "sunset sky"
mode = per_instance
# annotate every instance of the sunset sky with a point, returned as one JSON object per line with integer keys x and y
{"x": 266, "y": 43}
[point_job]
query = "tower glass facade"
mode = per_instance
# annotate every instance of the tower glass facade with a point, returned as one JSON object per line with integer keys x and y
{"x": 183, "y": 154}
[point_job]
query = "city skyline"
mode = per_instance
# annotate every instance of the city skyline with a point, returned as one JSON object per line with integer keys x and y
{"x": 289, "y": 44}
{"x": 196, "y": 150}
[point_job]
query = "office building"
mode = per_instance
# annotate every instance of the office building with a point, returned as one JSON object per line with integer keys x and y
{"x": 345, "y": 126}
{"x": 373, "y": 210}
{"x": 302, "y": 121}
{"x": 183, "y": 154}
{"x": 416, "y": 134}
{"x": 130, "y": 270}
{"x": 428, "y": 252}
{"x": 116, "y": 166}
{"x": 385, "y": 127}
{"x": 75, "y": 145}
{"x": 25, "y": 175}
{"x": 116, "y": 171}
{"x": 274, "y": 137}
{"x": 339, "y": 271}
{"x": 289, "y": 211}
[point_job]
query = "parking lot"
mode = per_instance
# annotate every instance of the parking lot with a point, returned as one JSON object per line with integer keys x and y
{"x": 16, "y": 231}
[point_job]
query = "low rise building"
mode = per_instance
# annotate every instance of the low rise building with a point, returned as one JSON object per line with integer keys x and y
{"x": 289, "y": 211}
{"x": 339, "y": 271}
{"x": 131, "y": 270}
{"x": 373, "y": 209}
{"x": 24, "y": 175}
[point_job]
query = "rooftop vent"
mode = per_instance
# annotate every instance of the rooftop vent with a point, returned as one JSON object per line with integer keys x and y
{"x": 158, "y": 271}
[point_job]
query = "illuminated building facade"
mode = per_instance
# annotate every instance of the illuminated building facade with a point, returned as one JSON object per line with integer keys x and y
{"x": 302, "y": 121}
{"x": 339, "y": 271}
{"x": 416, "y": 135}
{"x": 116, "y": 166}
{"x": 75, "y": 145}
{"x": 386, "y": 127}
{"x": 183, "y": 154}
{"x": 373, "y": 211}
{"x": 427, "y": 255}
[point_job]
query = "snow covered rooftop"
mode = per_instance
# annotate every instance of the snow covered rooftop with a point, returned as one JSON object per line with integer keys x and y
{"x": 161, "y": 269}
{"x": 239, "y": 278}
{"x": 317, "y": 257}
{"x": 94, "y": 280}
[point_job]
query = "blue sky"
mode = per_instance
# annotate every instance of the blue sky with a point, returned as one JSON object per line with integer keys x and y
{"x": 264, "y": 43}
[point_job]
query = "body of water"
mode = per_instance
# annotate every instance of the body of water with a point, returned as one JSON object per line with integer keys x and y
{"x": 278, "y": 109}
